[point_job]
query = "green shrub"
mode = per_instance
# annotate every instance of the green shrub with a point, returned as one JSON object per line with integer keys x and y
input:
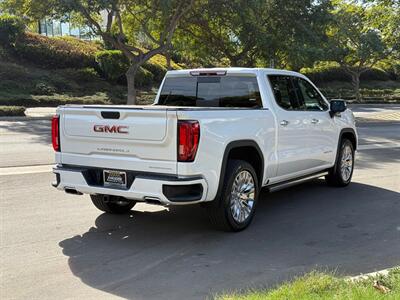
{"x": 10, "y": 28}
{"x": 43, "y": 88}
{"x": 3, "y": 53}
{"x": 375, "y": 74}
{"x": 53, "y": 100}
{"x": 162, "y": 61}
{"x": 331, "y": 71}
{"x": 113, "y": 66}
{"x": 143, "y": 78}
{"x": 55, "y": 52}
{"x": 85, "y": 75}
{"x": 331, "y": 74}
{"x": 156, "y": 69}
{"x": 7, "y": 111}
{"x": 27, "y": 82}
{"x": 393, "y": 71}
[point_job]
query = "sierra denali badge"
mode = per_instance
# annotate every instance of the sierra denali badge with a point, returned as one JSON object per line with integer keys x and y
{"x": 110, "y": 129}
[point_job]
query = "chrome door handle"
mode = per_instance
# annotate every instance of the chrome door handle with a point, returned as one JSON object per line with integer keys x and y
{"x": 314, "y": 121}
{"x": 284, "y": 123}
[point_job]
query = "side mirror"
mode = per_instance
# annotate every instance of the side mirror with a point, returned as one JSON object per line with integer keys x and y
{"x": 337, "y": 106}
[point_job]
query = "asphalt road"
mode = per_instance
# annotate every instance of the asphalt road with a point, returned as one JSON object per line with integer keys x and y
{"x": 57, "y": 246}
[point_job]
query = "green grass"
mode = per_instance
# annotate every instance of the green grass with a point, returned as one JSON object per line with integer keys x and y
{"x": 321, "y": 286}
{"x": 7, "y": 111}
{"x": 27, "y": 85}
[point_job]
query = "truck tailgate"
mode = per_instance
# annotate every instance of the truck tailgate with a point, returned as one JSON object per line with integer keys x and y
{"x": 138, "y": 139}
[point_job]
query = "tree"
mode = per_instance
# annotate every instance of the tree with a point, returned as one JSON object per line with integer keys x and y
{"x": 299, "y": 29}
{"x": 154, "y": 22}
{"x": 255, "y": 32}
{"x": 362, "y": 35}
{"x": 221, "y": 33}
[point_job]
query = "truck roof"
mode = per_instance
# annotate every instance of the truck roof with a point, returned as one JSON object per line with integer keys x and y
{"x": 234, "y": 70}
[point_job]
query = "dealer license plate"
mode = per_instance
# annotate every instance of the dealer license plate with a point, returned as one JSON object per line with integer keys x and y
{"x": 114, "y": 178}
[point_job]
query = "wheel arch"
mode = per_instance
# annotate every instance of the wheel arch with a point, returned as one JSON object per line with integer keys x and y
{"x": 247, "y": 150}
{"x": 348, "y": 133}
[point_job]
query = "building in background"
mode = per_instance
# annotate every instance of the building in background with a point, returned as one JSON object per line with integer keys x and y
{"x": 51, "y": 27}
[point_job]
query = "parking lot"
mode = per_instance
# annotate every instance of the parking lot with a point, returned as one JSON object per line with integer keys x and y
{"x": 56, "y": 245}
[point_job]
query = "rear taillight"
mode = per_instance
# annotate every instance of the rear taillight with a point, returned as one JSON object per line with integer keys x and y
{"x": 188, "y": 140}
{"x": 55, "y": 132}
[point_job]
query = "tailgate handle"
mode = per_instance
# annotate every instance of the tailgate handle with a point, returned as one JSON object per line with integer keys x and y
{"x": 110, "y": 114}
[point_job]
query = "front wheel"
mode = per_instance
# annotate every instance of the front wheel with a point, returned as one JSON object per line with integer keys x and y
{"x": 342, "y": 172}
{"x": 234, "y": 210}
{"x": 112, "y": 204}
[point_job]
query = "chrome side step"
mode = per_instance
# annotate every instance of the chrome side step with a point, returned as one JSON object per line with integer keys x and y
{"x": 282, "y": 185}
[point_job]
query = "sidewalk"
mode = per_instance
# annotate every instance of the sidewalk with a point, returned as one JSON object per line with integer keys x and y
{"x": 386, "y": 116}
{"x": 40, "y": 112}
{"x": 33, "y": 113}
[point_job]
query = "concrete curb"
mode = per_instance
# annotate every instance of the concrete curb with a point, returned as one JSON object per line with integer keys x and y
{"x": 13, "y": 119}
{"x": 383, "y": 272}
{"x": 382, "y": 104}
{"x": 26, "y": 169}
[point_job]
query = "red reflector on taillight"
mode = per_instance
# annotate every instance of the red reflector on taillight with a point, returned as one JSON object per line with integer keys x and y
{"x": 188, "y": 140}
{"x": 55, "y": 133}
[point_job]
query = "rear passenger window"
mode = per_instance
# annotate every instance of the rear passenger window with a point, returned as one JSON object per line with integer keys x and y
{"x": 308, "y": 95}
{"x": 284, "y": 92}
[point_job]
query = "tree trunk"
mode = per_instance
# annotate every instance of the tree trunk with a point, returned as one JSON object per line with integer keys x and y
{"x": 234, "y": 62}
{"x": 355, "y": 78}
{"x": 168, "y": 57}
{"x": 130, "y": 79}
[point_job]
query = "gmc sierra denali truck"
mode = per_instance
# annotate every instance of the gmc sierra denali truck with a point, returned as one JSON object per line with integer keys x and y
{"x": 212, "y": 136}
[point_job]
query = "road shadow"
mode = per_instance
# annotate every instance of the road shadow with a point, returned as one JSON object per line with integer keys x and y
{"x": 175, "y": 254}
{"x": 39, "y": 130}
{"x": 371, "y": 132}
{"x": 377, "y": 158}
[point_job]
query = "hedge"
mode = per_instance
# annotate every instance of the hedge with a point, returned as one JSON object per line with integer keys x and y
{"x": 63, "y": 52}
{"x": 113, "y": 66}
{"x": 10, "y": 28}
{"x": 52, "y": 100}
{"x": 6, "y": 111}
{"x": 156, "y": 69}
{"x": 330, "y": 71}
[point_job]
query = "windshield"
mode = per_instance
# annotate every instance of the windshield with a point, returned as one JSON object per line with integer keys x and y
{"x": 211, "y": 91}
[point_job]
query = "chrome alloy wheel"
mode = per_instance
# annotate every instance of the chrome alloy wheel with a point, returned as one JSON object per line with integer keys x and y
{"x": 242, "y": 196}
{"x": 346, "y": 164}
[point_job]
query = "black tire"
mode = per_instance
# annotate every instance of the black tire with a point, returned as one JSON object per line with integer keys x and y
{"x": 335, "y": 176}
{"x": 219, "y": 210}
{"x": 112, "y": 204}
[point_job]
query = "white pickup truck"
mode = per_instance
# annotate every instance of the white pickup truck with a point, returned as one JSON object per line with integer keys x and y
{"x": 212, "y": 136}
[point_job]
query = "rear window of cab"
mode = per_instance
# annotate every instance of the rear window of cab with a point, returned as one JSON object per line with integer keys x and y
{"x": 211, "y": 91}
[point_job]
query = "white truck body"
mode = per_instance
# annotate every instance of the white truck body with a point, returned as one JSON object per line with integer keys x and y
{"x": 292, "y": 143}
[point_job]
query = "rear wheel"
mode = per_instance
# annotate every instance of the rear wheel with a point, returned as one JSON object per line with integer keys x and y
{"x": 234, "y": 210}
{"x": 342, "y": 172}
{"x": 112, "y": 204}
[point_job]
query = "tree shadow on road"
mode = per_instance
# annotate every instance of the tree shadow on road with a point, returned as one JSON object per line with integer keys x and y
{"x": 175, "y": 254}
{"x": 377, "y": 158}
{"x": 40, "y": 130}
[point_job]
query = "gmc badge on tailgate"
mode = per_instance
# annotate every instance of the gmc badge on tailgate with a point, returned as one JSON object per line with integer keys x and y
{"x": 111, "y": 129}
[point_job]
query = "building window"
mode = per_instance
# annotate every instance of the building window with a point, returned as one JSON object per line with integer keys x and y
{"x": 49, "y": 27}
